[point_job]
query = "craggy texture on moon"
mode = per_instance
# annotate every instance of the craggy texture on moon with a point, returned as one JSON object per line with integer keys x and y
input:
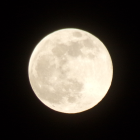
{"x": 70, "y": 70}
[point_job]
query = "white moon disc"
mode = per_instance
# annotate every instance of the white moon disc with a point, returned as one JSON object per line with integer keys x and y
{"x": 70, "y": 70}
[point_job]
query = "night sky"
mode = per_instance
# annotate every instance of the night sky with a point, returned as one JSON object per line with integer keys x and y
{"x": 25, "y": 24}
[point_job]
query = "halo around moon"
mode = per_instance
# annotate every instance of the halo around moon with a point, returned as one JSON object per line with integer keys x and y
{"x": 70, "y": 70}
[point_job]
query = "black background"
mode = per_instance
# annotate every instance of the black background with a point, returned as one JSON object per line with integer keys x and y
{"x": 25, "y": 24}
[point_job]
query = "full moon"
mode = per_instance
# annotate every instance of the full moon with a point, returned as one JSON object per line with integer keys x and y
{"x": 70, "y": 70}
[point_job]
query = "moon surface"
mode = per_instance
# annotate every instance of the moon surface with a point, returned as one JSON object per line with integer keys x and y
{"x": 70, "y": 70}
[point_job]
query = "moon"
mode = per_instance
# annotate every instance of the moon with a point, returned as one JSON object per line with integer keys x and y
{"x": 70, "y": 70}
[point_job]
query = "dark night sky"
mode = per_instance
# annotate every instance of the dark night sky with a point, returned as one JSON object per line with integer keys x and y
{"x": 25, "y": 24}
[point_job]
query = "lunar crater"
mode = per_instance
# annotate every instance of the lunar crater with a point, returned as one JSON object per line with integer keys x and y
{"x": 77, "y": 34}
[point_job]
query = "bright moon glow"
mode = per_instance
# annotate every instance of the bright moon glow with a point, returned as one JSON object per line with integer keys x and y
{"x": 70, "y": 70}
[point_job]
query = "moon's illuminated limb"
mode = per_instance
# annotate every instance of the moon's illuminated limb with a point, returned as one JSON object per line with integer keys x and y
{"x": 70, "y": 70}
